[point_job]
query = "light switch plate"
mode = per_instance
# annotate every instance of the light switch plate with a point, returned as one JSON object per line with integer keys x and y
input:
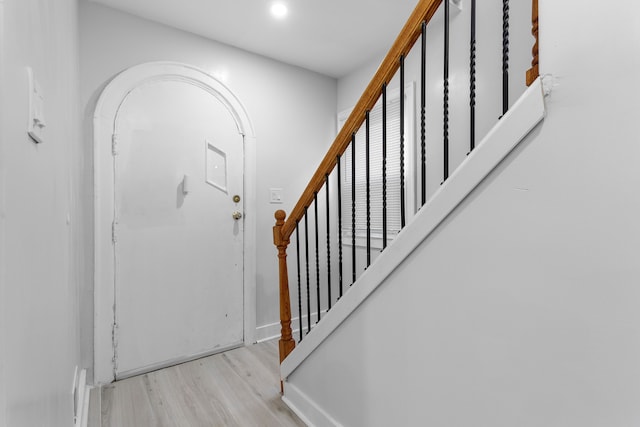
{"x": 36, "y": 125}
{"x": 275, "y": 195}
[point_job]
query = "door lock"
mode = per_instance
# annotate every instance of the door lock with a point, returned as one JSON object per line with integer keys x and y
{"x": 236, "y": 198}
{"x": 236, "y": 215}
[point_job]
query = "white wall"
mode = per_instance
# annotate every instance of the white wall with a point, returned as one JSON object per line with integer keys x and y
{"x": 3, "y": 402}
{"x": 522, "y": 308}
{"x": 42, "y": 215}
{"x": 292, "y": 110}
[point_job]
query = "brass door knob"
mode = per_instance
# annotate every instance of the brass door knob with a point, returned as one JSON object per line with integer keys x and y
{"x": 236, "y": 215}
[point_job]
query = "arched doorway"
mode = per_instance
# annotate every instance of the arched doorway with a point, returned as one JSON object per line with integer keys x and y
{"x": 123, "y": 219}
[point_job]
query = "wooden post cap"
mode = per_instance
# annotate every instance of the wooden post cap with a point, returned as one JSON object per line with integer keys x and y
{"x": 280, "y": 215}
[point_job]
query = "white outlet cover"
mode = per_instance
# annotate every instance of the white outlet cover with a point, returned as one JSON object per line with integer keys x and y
{"x": 275, "y": 195}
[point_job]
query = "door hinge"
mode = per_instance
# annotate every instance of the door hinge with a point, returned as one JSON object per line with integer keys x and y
{"x": 114, "y": 338}
{"x": 114, "y": 144}
{"x": 114, "y": 335}
{"x": 114, "y": 238}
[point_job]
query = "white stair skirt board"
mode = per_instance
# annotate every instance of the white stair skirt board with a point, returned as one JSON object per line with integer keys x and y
{"x": 310, "y": 413}
{"x": 525, "y": 114}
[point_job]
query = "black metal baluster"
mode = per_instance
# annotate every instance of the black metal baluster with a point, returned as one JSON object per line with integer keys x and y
{"x": 299, "y": 286}
{"x": 306, "y": 253}
{"x": 315, "y": 208}
{"x": 384, "y": 166}
{"x": 339, "y": 227}
{"x": 472, "y": 78}
{"x": 505, "y": 56}
{"x": 423, "y": 104}
{"x": 353, "y": 208}
{"x": 326, "y": 183}
{"x": 402, "y": 201}
{"x": 445, "y": 121}
{"x": 368, "y": 185}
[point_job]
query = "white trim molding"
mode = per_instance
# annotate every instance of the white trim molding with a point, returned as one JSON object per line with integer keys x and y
{"x": 104, "y": 120}
{"x": 305, "y": 408}
{"x": 514, "y": 126}
{"x": 175, "y": 361}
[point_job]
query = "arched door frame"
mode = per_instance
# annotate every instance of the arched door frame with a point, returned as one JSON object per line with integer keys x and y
{"x": 104, "y": 121}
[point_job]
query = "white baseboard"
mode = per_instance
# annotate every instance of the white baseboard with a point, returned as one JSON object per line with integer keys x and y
{"x": 307, "y": 410}
{"x": 175, "y": 361}
{"x": 267, "y": 332}
{"x": 272, "y": 330}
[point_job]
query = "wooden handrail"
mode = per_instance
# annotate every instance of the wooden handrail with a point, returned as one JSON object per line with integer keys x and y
{"x": 533, "y": 72}
{"x": 423, "y": 12}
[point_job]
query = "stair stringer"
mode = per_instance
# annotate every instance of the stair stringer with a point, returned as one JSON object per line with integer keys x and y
{"x": 512, "y": 128}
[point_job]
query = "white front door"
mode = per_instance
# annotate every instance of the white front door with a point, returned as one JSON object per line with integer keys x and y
{"x": 178, "y": 248}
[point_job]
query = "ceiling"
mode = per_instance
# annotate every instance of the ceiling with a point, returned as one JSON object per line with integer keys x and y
{"x": 331, "y": 37}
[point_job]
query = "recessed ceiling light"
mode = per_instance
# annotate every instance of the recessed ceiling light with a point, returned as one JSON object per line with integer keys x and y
{"x": 279, "y": 10}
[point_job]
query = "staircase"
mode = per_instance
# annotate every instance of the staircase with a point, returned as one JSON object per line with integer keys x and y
{"x": 362, "y": 235}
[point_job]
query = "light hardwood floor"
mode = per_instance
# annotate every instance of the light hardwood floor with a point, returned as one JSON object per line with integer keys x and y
{"x": 240, "y": 387}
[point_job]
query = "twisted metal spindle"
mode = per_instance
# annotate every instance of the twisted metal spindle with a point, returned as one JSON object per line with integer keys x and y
{"x": 472, "y": 78}
{"x": 384, "y": 166}
{"x": 402, "y": 201}
{"x": 339, "y": 170}
{"x": 326, "y": 183}
{"x": 299, "y": 283}
{"x": 353, "y": 208}
{"x": 315, "y": 208}
{"x": 306, "y": 253}
{"x": 445, "y": 121}
{"x": 505, "y": 56}
{"x": 423, "y": 103}
{"x": 368, "y": 184}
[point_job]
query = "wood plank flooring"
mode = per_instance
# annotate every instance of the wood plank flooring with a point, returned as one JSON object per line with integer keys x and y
{"x": 240, "y": 387}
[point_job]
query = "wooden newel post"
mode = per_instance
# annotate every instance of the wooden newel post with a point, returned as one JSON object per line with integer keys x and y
{"x": 533, "y": 73}
{"x": 287, "y": 344}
